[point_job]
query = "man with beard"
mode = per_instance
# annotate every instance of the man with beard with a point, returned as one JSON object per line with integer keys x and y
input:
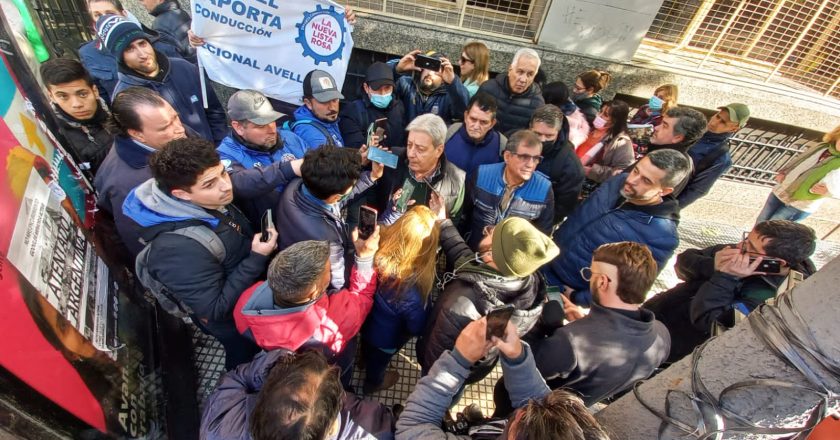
{"x": 260, "y": 158}
{"x": 424, "y": 91}
{"x": 176, "y": 80}
{"x": 616, "y": 344}
{"x": 513, "y": 188}
{"x": 316, "y": 121}
{"x": 474, "y": 142}
{"x": 516, "y": 93}
{"x": 635, "y": 206}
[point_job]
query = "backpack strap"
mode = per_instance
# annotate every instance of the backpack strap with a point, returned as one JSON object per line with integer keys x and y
{"x": 452, "y": 130}
{"x": 206, "y": 237}
{"x": 318, "y": 127}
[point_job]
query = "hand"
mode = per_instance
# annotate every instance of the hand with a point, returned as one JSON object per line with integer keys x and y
{"x": 366, "y": 248}
{"x": 819, "y": 188}
{"x": 779, "y": 177}
{"x": 573, "y": 311}
{"x": 376, "y": 170}
{"x": 363, "y": 150}
{"x": 350, "y": 15}
{"x": 267, "y": 247}
{"x": 472, "y": 343}
{"x": 447, "y": 72}
{"x": 586, "y": 169}
{"x": 437, "y": 205}
{"x": 296, "y": 164}
{"x": 406, "y": 63}
{"x": 395, "y": 198}
{"x": 739, "y": 266}
{"x": 723, "y": 256}
{"x": 510, "y": 345}
{"x": 195, "y": 40}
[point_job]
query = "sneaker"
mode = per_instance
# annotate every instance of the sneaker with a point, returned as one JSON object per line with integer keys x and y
{"x": 390, "y": 379}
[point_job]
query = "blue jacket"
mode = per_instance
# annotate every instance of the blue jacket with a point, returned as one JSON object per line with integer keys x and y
{"x": 534, "y": 201}
{"x": 395, "y": 317}
{"x": 259, "y": 176}
{"x": 605, "y": 217}
{"x": 468, "y": 155}
{"x": 181, "y": 88}
{"x": 447, "y": 101}
{"x": 312, "y": 135}
{"x": 712, "y": 147}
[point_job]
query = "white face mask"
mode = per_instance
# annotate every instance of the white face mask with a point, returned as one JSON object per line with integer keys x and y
{"x": 599, "y": 122}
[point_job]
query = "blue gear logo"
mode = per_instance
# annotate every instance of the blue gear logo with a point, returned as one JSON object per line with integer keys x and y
{"x": 320, "y": 45}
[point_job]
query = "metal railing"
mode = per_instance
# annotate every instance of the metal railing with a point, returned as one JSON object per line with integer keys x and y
{"x": 65, "y": 24}
{"x": 796, "y": 40}
{"x": 515, "y": 19}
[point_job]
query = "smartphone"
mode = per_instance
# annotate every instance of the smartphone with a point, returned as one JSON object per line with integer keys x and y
{"x": 266, "y": 223}
{"x": 497, "y": 320}
{"x": 379, "y": 155}
{"x": 367, "y": 221}
{"x": 768, "y": 265}
{"x": 425, "y": 62}
{"x": 381, "y": 123}
{"x": 554, "y": 293}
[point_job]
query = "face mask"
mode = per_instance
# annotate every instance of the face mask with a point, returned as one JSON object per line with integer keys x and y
{"x": 599, "y": 122}
{"x": 655, "y": 103}
{"x": 380, "y": 101}
{"x": 547, "y": 145}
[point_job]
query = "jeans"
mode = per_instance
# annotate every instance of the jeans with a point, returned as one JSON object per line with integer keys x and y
{"x": 345, "y": 361}
{"x": 376, "y": 362}
{"x": 775, "y": 209}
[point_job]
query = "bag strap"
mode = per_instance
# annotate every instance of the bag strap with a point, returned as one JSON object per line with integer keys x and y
{"x": 206, "y": 237}
{"x": 318, "y": 127}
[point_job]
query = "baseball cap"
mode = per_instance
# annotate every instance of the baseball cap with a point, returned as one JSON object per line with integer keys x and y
{"x": 251, "y": 105}
{"x": 321, "y": 86}
{"x": 739, "y": 113}
{"x": 378, "y": 75}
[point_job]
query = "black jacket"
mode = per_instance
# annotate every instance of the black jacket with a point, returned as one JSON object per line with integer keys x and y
{"x": 170, "y": 19}
{"x": 514, "y": 110}
{"x": 355, "y": 118}
{"x": 706, "y": 296}
{"x": 89, "y": 142}
{"x": 475, "y": 290}
{"x": 563, "y": 168}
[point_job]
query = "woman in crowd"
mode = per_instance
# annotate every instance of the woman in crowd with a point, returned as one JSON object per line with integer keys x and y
{"x": 608, "y": 150}
{"x": 557, "y": 93}
{"x": 405, "y": 265}
{"x": 806, "y": 182}
{"x": 475, "y": 66}
{"x": 664, "y": 98}
{"x": 585, "y": 92}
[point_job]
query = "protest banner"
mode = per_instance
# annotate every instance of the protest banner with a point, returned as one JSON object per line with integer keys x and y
{"x": 270, "y": 45}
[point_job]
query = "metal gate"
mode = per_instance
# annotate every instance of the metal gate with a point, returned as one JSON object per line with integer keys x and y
{"x": 64, "y": 24}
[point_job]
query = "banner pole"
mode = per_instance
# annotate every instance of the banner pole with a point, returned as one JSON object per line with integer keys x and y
{"x": 202, "y": 82}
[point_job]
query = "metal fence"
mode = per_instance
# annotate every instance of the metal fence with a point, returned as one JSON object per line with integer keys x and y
{"x": 514, "y": 19}
{"x": 794, "y": 40}
{"x": 65, "y": 24}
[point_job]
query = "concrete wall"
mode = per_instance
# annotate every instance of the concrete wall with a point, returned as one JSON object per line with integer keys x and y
{"x": 610, "y": 29}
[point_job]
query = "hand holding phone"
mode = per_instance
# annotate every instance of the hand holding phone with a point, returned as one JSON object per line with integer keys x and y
{"x": 266, "y": 223}
{"x": 497, "y": 320}
{"x": 768, "y": 265}
{"x": 367, "y": 221}
{"x": 426, "y": 62}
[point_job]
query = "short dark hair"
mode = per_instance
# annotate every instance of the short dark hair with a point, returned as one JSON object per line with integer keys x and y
{"x": 560, "y": 415}
{"x": 300, "y": 399}
{"x": 556, "y": 93}
{"x": 690, "y": 123}
{"x": 524, "y": 136}
{"x": 64, "y": 70}
{"x": 179, "y": 163}
{"x": 124, "y": 114}
{"x": 548, "y": 114}
{"x": 790, "y": 241}
{"x": 618, "y": 111}
{"x": 485, "y": 102}
{"x": 295, "y": 269}
{"x": 329, "y": 170}
{"x": 675, "y": 164}
{"x": 636, "y": 268}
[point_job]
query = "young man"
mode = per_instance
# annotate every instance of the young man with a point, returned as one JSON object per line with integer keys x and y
{"x": 80, "y": 110}
{"x": 171, "y": 20}
{"x": 723, "y": 278}
{"x": 191, "y": 188}
{"x": 508, "y": 189}
{"x": 616, "y": 344}
{"x": 316, "y": 121}
{"x": 424, "y": 91}
{"x": 635, "y": 206}
{"x": 293, "y": 310}
{"x": 378, "y": 101}
{"x": 173, "y": 78}
{"x": 516, "y": 93}
{"x": 259, "y": 156}
{"x": 474, "y": 142}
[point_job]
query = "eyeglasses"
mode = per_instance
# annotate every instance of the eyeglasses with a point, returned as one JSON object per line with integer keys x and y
{"x": 527, "y": 157}
{"x": 586, "y": 273}
{"x": 747, "y": 246}
{"x": 466, "y": 60}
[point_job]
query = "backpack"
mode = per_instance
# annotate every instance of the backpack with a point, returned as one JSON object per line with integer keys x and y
{"x": 291, "y": 124}
{"x": 169, "y": 302}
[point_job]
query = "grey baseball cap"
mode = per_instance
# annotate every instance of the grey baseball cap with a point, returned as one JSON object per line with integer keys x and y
{"x": 251, "y": 105}
{"x": 321, "y": 86}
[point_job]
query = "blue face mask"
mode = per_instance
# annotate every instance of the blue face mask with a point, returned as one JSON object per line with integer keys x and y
{"x": 655, "y": 103}
{"x": 380, "y": 101}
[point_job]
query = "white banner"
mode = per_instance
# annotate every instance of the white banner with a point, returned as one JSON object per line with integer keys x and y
{"x": 270, "y": 45}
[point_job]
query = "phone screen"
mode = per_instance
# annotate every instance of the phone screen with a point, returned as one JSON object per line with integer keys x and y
{"x": 367, "y": 222}
{"x": 497, "y": 321}
{"x": 265, "y": 225}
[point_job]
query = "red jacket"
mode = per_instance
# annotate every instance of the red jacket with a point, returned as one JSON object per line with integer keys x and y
{"x": 329, "y": 321}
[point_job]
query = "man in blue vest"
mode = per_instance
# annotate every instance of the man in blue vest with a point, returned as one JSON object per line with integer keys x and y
{"x": 316, "y": 121}
{"x": 513, "y": 188}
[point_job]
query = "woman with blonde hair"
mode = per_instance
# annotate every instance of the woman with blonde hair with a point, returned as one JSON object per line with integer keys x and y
{"x": 475, "y": 65}
{"x": 405, "y": 265}
{"x": 585, "y": 92}
{"x": 805, "y": 183}
{"x": 664, "y": 98}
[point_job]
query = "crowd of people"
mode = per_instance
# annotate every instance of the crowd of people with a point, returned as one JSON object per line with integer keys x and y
{"x": 504, "y": 194}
